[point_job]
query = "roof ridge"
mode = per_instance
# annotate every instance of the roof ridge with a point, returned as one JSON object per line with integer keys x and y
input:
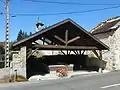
{"x": 117, "y": 18}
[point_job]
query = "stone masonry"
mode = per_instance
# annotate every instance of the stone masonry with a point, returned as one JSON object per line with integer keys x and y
{"x": 111, "y": 39}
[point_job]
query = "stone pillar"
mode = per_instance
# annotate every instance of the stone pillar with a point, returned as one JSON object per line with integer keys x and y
{"x": 23, "y": 60}
{"x": 15, "y": 62}
{"x": 19, "y": 62}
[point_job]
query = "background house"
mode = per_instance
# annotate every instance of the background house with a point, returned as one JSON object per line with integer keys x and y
{"x": 108, "y": 32}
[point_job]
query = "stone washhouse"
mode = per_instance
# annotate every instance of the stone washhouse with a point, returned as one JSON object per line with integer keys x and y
{"x": 66, "y": 35}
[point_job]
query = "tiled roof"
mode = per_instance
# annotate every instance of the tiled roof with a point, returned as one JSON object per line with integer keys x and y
{"x": 57, "y": 34}
{"x": 105, "y": 26}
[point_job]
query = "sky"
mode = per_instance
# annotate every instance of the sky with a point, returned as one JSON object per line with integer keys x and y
{"x": 87, "y": 20}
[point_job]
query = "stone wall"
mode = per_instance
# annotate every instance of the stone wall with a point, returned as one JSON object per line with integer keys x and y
{"x": 113, "y": 55}
{"x": 19, "y": 62}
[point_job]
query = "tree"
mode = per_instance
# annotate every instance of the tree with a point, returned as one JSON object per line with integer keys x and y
{"x": 2, "y": 50}
{"x": 22, "y": 35}
{"x": 2, "y": 56}
{"x": 25, "y": 35}
{"x": 30, "y": 33}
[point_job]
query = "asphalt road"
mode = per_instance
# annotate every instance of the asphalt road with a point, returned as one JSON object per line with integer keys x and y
{"x": 109, "y": 81}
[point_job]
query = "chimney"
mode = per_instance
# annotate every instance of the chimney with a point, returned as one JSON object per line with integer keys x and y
{"x": 38, "y": 26}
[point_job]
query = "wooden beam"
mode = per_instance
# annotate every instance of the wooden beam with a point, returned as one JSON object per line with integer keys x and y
{"x": 74, "y": 39}
{"x": 100, "y": 52}
{"x": 80, "y": 52}
{"x": 66, "y": 37}
{"x": 29, "y": 51}
{"x": 44, "y": 41}
{"x": 36, "y": 43}
{"x": 62, "y": 52}
{"x": 32, "y": 53}
{"x": 69, "y": 52}
{"x": 83, "y": 52}
{"x": 95, "y": 52}
{"x": 76, "y": 52}
{"x": 60, "y": 39}
{"x": 61, "y": 47}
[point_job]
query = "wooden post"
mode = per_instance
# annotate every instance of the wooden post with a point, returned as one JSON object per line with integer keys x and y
{"x": 83, "y": 52}
{"x": 66, "y": 37}
{"x": 80, "y": 52}
{"x": 95, "y": 52}
{"x": 62, "y": 52}
{"x": 30, "y": 52}
{"x": 69, "y": 52}
{"x": 75, "y": 52}
{"x": 100, "y": 52}
{"x": 43, "y": 41}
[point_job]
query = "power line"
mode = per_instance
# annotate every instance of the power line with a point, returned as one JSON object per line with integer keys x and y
{"x": 69, "y": 3}
{"x": 77, "y": 12}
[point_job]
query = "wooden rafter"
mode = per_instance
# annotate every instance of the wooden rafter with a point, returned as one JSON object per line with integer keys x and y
{"x": 55, "y": 28}
{"x": 44, "y": 41}
{"x": 60, "y": 39}
{"x": 66, "y": 42}
{"x": 31, "y": 53}
{"x": 36, "y": 43}
{"x": 74, "y": 39}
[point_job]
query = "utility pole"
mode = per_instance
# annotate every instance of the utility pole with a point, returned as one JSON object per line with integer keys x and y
{"x": 7, "y": 63}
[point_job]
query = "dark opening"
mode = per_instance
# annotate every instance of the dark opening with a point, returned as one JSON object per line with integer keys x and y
{"x": 39, "y": 66}
{"x": 35, "y": 67}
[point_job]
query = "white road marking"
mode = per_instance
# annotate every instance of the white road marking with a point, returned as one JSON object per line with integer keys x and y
{"x": 114, "y": 85}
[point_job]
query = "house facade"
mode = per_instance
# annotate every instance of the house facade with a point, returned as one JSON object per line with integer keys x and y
{"x": 109, "y": 33}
